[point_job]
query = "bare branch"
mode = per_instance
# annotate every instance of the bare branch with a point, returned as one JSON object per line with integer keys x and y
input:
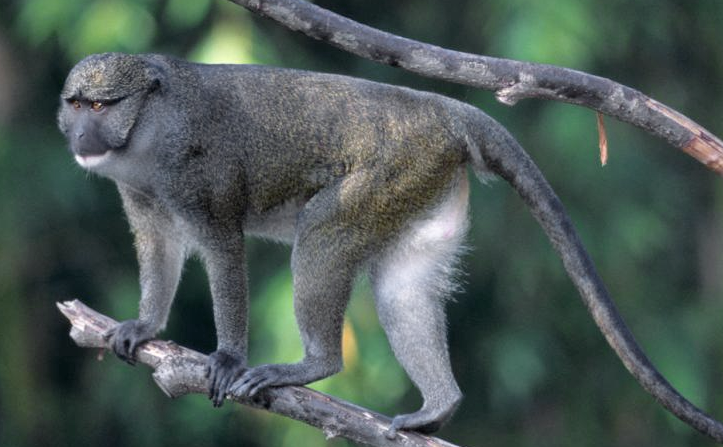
{"x": 510, "y": 80}
{"x": 180, "y": 371}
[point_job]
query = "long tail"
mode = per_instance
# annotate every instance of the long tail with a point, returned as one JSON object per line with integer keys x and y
{"x": 503, "y": 155}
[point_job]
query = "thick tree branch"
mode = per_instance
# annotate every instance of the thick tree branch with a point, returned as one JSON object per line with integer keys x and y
{"x": 180, "y": 371}
{"x": 510, "y": 80}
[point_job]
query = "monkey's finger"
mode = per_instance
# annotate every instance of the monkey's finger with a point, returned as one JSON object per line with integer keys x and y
{"x": 212, "y": 382}
{"x": 218, "y": 386}
{"x": 127, "y": 357}
{"x": 222, "y": 390}
{"x": 133, "y": 347}
{"x": 212, "y": 391}
{"x": 219, "y": 392}
{"x": 217, "y": 398}
{"x": 120, "y": 349}
{"x": 235, "y": 388}
{"x": 239, "y": 388}
{"x": 107, "y": 335}
{"x": 245, "y": 384}
{"x": 128, "y": 352}
{"x": 265, "y": 383}
{"x": 252, "y": 383}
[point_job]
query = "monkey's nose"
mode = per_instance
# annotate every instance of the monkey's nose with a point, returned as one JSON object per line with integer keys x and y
{"x": 79, "y": 135}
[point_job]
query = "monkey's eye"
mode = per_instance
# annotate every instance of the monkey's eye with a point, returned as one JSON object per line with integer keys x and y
{"x": 97, "y": 106}
{"x": 76, "y": 104}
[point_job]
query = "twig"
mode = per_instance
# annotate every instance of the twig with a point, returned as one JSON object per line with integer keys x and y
{"x": 180, "y": 371}
{"x": 511, "y": 80}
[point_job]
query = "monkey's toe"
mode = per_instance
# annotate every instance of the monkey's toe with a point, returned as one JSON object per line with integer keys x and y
{"x": 256, "y": 379}
{"x": 412, "y": 422}
{"x": 301, "y": 373}
{"x": 426, "y": 420}
{"x": 222, "y": 369}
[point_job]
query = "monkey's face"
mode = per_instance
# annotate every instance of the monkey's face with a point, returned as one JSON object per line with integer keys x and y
{"x": 85, "y": 124}
{"x": 100, "y": 104}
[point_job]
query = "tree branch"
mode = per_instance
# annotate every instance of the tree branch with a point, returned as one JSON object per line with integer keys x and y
{"x": 510, "y": 80}
{"x": 180, "y": 371}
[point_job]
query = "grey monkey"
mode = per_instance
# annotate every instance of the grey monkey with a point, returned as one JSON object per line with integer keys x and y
{"x": 356, "y": 175}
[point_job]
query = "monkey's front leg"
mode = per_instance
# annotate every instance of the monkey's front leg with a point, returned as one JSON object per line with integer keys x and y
{"x": 160, "y": 262}
{"x": 226, "y": 268}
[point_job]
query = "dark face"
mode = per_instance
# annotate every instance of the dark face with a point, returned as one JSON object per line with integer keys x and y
{"x": 85, "y": 120}
{"x": 100, "y": 102}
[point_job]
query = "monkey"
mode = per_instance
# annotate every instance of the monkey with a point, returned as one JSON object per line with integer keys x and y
{"x": 358, "y": 177}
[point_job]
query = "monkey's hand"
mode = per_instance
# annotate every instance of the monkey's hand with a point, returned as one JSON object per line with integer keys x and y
{"x": 222, "y": 370}
{"x": 125, "y": 338}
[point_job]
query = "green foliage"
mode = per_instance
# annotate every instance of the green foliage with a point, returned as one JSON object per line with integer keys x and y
{"x": 88, "y": 27}
{"x": 545, "y": 31}
{"x": 183, "y": 14}
{"x": 534, "y": 368}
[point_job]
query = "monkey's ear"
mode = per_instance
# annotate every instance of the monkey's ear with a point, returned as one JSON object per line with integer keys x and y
{"x": 155, "y": 84}
{"x": 156, "y": 75}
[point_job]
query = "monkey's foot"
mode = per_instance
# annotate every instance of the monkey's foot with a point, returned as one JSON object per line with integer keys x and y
{"x": 427, "y": 420}
{"x": 260, "y": 377}
{"x": 222, "y": 369}
{"x": 125, "y": 338}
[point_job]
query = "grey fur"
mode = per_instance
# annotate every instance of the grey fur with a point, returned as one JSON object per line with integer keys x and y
{"x": 353, "y": 173}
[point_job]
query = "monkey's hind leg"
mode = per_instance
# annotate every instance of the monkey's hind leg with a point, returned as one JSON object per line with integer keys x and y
{"x": 412, "y": 279}
{"x": 324, "y": 265}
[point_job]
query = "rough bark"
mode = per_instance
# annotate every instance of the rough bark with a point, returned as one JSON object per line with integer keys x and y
{"x": 180, "y": 371}
{"x": 510, "y": 80}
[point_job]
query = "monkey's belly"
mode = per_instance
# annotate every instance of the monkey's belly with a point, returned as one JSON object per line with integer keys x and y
{"x": 278, "y": 223}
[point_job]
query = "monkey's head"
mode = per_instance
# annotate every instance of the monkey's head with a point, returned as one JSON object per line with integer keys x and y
{"x": 101, "y": 101}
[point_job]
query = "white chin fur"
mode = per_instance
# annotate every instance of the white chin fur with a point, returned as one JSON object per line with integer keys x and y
{"x": 92, "y": 161}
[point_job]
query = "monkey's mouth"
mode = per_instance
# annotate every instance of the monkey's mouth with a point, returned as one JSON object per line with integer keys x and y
{"x": 93, "y": 160}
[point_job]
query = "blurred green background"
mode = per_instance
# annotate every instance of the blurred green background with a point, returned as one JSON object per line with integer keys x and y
{"x": 534, "y": 368}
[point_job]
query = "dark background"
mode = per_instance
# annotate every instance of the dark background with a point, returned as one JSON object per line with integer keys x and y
{"x": 534, "y": 368}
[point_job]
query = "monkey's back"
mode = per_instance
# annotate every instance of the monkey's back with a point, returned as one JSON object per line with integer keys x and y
{"x": 311, "y": 130}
